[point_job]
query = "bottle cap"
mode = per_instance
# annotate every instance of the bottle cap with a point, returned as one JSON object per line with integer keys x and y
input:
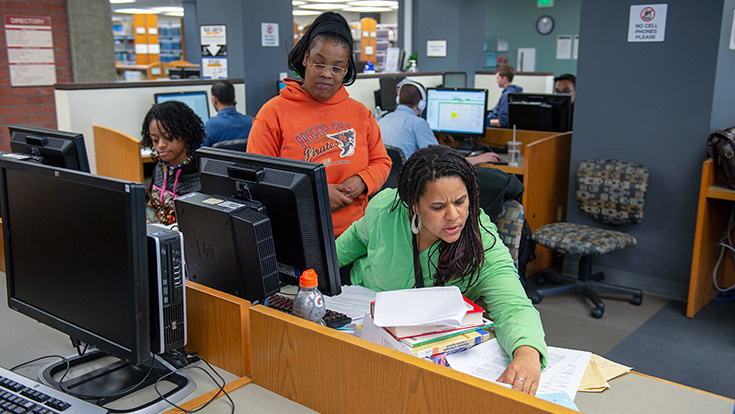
{"x": 308, "y": 279}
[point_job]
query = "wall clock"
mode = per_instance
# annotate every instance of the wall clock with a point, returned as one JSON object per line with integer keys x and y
{"x": 544, "y": 25}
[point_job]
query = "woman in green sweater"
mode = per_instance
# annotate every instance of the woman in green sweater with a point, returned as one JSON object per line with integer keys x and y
{"x": 434, "y": 218}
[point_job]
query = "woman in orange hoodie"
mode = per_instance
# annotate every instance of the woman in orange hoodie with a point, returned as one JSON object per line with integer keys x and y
{"x": 316, "y": 120}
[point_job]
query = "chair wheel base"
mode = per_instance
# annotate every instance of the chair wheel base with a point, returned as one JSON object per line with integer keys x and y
{"x": 536, "y": 299}
{"x": 637, "y": 300}
{"x": 597, "y": 313}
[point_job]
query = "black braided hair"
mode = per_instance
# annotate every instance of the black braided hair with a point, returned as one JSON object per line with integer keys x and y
{"x": 179, "y": 121}
{"x": 464, "y": 258}
{"x": 341, "y": 35}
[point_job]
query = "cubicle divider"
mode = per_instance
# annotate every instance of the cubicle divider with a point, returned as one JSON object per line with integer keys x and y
{"x": 331, "y": 372}
{"x": 531, "y": 82}
{"x": 366, "y": 84}
{"x": 121, "y": 106}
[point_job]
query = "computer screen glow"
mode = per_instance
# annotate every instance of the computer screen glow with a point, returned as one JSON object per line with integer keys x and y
{"x": 456, "y": 111}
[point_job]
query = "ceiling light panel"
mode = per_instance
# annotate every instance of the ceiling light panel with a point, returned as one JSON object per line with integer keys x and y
{"x": 136, "y": 11}
{"x": 323, "y": 6}
{"x": 367, "y": 9}
{"x": 374, "y": 3}
{"x": 306, "y": 13}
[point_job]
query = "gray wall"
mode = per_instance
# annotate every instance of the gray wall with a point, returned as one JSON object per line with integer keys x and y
{"x": 516, "y": 21}
{"x": 651, "y": 103}
{"x": 247, "y": 59}
{"x": 723, "y": 104}
{"x": 461, "y": 23}
{"x": 91, "y": 41}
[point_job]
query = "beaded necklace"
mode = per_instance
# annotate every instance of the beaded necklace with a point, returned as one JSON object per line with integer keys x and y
{"x": 186, "y": 161}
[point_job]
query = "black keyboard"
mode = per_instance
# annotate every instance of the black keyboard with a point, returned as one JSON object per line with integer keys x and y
{"x": 331, "y": 318}
{"x": 19, "y": 394}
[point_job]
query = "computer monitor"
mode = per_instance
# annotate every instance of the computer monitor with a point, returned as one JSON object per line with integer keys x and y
{"x": 197, "y": 101}
{"x": 454, "y": 80}
{"x": 48, "y": 146}
{"x": 76, "y": 260}
{"x": 540, "y": 112}
{"x": 388, "y": 89}
{"x": 457, "y": 112}
{"x": 296, "y": 199}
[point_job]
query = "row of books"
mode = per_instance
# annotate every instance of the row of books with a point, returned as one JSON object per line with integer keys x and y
{"x": 431, "y": 340}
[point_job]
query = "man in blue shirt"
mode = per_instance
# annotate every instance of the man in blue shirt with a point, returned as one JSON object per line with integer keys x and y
{"x": 228, "y": 124}
{"x": 498, "y": 116}
{"x": 404, "y": 128}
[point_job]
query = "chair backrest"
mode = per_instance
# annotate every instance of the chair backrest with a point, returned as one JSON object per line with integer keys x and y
{"x": 510, "y": 226}
{"x": 612, "y": 191}
{"x": 398, "y": 158}
{"x": 233, "y": 144}
{"x": 117, "y": 154}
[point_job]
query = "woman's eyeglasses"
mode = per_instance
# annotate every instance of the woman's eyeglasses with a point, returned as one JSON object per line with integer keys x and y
{"x": 336, "y": 70}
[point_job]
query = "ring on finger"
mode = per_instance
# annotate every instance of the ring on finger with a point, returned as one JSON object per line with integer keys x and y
{"x": 521, "y": 380}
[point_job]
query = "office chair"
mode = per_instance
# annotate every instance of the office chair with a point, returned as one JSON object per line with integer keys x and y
{"x": 510, "y": 226}
{"x": 232, "y": 144}
{"x": 398, "y": 158}
{"x": 612, "y": 192}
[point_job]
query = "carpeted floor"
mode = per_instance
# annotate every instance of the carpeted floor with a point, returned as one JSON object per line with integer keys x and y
{"x": 698, "y": 352}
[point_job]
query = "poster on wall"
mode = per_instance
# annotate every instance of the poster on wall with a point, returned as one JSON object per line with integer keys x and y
{"x": 732, "y": 32}
{"x": 436, "y": 48}
{"x": 647, "y": 23}
{"x": 30, "y": 50}
{"x": 269, "y": 34}
{"x": 214, "y": 68}
{"x": 213, "y": 40}
{"x": 526, "y": 61}
{"x": 564, "y": 47}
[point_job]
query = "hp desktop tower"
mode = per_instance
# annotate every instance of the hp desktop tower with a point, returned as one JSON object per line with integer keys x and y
{"x": 167, "y": 290}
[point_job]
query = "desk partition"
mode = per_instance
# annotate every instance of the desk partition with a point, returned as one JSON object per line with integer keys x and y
{"x": 121, "y": 106}
{"x": 531, "y": 82}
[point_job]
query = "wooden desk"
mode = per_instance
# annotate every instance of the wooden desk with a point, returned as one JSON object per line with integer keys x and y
{"x": 713, "y": 213}
{"x": 333, "y": 372}
{"x": 544, "y": 171}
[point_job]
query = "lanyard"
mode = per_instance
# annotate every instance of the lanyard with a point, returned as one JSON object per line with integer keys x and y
{"x": 176, "y": 182}
{"x": 417, "y": 264}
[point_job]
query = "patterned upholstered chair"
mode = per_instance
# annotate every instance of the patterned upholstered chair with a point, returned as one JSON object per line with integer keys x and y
{"x": 510, "y": 226}
{"x": 612, "y": 192}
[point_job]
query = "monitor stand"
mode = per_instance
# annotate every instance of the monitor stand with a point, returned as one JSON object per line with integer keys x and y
{"x": 103, "y": 382}
{"x": 464, "y": 144}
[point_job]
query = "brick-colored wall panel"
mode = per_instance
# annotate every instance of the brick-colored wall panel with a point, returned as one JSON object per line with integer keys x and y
{"x": 31, "y": 105}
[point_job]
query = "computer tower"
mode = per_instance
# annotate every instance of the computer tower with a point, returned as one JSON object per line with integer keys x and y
{"x": 167, "y": 291}
{"x": 229, "y": 245}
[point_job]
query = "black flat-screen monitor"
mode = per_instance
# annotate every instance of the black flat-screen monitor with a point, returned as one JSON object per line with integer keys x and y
{"x": 388, "y": 89}
{"x": 49, "y": 146}
{"x": 296, "y": 199}
{"x": 540, "y": 112}
{"x": 197, "y": 101}
{"x": 456, "y": 112}
{"x": 69, "y": 264}
{"x": 76, "y": 260}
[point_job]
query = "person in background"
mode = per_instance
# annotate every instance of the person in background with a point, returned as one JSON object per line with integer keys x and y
{"x": 228, "y": 124}
{"x": 498, "y": 116}
{"x": 316, "y": 120}
{"x": 173, "y": 131}
{"x": 565, "y": 84}
{"x": 433, "y": 218}
{"x": 404, "y": 128}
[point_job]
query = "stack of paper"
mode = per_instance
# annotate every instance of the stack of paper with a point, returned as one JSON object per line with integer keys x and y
{"x": 442, "y": 305}
{"x": 563, "y": 373}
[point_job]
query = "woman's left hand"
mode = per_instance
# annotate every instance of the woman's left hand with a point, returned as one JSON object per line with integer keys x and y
{"x": 352, "y": 186}
{"x": 524, "y": 372}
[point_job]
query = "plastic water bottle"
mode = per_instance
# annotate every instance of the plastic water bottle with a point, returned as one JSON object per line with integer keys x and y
{"x": 309, "y": 303}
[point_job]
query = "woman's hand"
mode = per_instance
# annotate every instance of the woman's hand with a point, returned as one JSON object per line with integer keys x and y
{"x": 352, "y": 187}
{"x": 337, "y": 199}
{"x": 524, "y": 371}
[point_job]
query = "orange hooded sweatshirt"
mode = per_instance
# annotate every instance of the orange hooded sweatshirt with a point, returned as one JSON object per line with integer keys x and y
{"x": 340, "y": 133}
